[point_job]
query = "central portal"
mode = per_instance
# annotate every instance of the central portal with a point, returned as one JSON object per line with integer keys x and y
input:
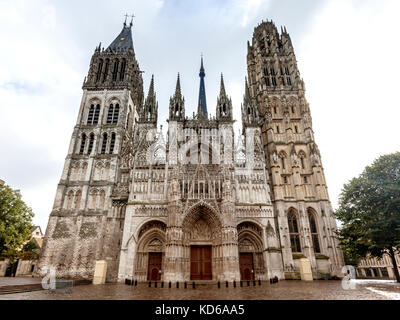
{"x": 200, "y": 263}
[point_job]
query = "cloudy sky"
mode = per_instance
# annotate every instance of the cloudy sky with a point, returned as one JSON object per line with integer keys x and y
{"x": 347, "y": 52}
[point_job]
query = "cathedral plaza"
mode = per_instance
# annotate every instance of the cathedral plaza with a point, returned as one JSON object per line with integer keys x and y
{"x": 283, "y": 290}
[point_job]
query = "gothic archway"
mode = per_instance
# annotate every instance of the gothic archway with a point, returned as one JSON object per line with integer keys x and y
{"x": 150, "y": 251}
{"x": 251, "y": 258}
{"x": 202, "y": 243}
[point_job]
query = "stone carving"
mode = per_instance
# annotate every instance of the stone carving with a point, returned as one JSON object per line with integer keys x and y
{"x": 155, "y": 245}
{"x": 270, "y": 230}
{"x": 201, "y": 231}
{"x": 152, "y": 225}
{"x": 246, "y": 245}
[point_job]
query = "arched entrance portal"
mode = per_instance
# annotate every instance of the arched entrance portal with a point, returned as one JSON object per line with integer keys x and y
{"x": 202, "y": 243}
{"x": 150, "y": 251}
{"x": 251, "y": 260}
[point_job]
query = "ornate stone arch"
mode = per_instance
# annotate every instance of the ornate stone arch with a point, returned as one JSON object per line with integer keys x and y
{"x": 250, "y": 241}
{"x": 151, "y": 238}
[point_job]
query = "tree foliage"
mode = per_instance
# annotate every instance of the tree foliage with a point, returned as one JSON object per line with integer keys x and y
{"x": 15, "y": 222}
{"x": 369, "y": 209}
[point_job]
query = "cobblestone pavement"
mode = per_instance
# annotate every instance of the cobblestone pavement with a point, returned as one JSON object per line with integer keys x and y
{"x": 284, "y": 290}
{"x": 15, "y": 281}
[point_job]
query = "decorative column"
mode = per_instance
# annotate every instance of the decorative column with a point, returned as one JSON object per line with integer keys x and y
{"x": 174, "y": 259}
{"x": 229, "y": 236}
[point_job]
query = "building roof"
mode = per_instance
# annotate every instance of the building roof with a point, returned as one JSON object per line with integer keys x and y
{"x": 35, "y": 227}
{"x": 124, "y": 40}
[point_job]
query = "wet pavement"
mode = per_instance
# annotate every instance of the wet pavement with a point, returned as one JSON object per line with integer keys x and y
{"x": 15, "y": 281}
{"x": 284, "y": 290}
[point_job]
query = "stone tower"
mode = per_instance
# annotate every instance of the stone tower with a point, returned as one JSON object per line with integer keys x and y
{"x": 87, "y": 219}
{"x": 299, "y": 191}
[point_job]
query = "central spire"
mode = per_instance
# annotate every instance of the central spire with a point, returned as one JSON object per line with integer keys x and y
{"x": 202, "y": 108}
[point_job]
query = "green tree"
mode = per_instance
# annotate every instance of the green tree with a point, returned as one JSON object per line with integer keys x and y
{"x": 31, "y": 250}
{"x": 15, "y": 222}
{"x": 369, "y": 209}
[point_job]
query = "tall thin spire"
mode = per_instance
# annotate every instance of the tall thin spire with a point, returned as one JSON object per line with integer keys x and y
{"x": 178, "y": 86}
{"x": 222, "y": 89}
{"x": 202, "y": 107}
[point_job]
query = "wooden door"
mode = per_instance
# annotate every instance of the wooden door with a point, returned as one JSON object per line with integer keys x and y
{"x": 155, "y": 260}
{"x": 201, "y": 263}
{"x": 246, "y": 266}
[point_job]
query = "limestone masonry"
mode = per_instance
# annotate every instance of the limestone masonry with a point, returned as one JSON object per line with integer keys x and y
{"x": 204, "y": 203}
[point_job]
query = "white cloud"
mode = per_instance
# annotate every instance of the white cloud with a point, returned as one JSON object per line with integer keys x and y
{"x": 349, "y": 61}
{"x": 251, "y": 9}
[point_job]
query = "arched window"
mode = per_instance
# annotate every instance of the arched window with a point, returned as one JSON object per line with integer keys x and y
{"x": 96, "y": 115}
{"x": 314, "y": 231}
{"x": 112, "y": 144}
{"x": 123, "y": 67}
{"x": 116, "y": 114}
{"x": 102, "y": 199}
{"x": 106, "y": 69}
{"x": 104, "y": 144}
{"x": 90, "y": 116}
{"x": 283, "y": 162}
{"x": 115, "y": 71}
{"x": 100, "y": 67}
{"x": 91, "y": 142}
{"x": 70, "y": 198}
{"x": 294, "y": 231}
{"x": 83, "y": 143}
{"x": 93, "y": 199}
{"x": 288, "y": 80}
{"x": 110, "y": 114}
{"x": 273, "y": 76}
{"x": 78, "y": 196}
{"x": 83, "y": 172}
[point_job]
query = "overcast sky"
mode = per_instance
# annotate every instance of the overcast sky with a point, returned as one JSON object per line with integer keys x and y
{"x": 347, "y": 52}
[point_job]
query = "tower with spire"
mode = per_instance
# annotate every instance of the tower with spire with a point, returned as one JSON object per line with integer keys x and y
{"x": 275, "y": 94}
{"x": 86, "y": 222}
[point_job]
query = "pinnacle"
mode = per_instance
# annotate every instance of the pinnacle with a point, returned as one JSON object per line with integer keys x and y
{"x": 222, "y": 89}
{"x": 178, "y": 86}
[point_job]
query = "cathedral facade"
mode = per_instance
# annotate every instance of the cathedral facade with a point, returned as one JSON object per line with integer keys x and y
{"x": 202, "y": 203}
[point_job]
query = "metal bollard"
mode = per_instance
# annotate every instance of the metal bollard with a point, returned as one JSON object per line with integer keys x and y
{"x": 177, "y": 285}
{"x": 155, "y": 284}
{"x": 185, "y": 285}
{"x": 227, "y": 284}
{"x": 254, "y": 283}
{"x": 234, "y": 283}
{"x": 162, "y": 284}
{"x": 169, "y": 284}
{"x": 193, "y": 285}
{"x": 241, "y": 283}
{"x": 135, "y": 283}
{"x": 219, "y": 284}
{"x": 149, "y": 284}
{"x": 248, "y": 283}
{"x": 259, "y": 282}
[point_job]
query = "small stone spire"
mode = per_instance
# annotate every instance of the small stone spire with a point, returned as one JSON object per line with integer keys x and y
{"x": 178, "y": 86}
{"x": 222, "y": 87}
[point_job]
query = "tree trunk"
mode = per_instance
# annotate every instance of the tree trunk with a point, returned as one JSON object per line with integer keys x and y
{"x": 394, "y": 262}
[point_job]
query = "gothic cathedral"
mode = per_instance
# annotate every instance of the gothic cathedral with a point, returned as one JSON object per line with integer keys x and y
{"x": 203, "y": 203}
